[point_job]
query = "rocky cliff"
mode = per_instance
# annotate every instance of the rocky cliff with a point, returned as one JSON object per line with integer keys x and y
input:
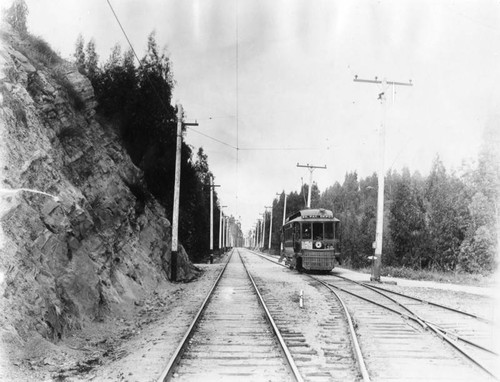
{"x": 94, "y": 241}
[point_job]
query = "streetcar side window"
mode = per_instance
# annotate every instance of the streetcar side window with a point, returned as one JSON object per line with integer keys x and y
{"x": 318, "y": 231}
{"x": 296, "y": 231}
{"x": 288, "y": 233}
{"x": 329, "y": 231}
{"x": 306, "y": 231}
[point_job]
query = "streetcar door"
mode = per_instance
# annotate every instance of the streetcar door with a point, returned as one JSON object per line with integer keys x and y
{"x": 296, "y": 237}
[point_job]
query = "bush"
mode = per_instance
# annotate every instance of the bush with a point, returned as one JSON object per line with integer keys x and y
{"x": 41, "y": 51}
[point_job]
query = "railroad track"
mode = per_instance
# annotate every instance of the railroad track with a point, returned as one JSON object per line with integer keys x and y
{"x": 321, "y": 336}
{"x": 233, "y": 337}
{"x": 470, "y": 334}
{"x": 395, "y": 335}
{"x": 243, "y": 332}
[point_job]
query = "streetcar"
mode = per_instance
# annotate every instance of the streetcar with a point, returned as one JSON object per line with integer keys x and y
{"x": 311, "y": 240}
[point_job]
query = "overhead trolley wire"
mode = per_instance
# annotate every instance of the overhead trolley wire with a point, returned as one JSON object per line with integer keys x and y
{"x": 160, "y": 98}
{"x": 151, "y": 82}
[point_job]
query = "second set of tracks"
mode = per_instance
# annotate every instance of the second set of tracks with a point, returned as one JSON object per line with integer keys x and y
{"x": 245, "y": 330}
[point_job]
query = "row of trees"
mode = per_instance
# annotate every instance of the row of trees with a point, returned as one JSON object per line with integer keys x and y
{"x": 443, "y": 221}
{"x": 137, "y": 99}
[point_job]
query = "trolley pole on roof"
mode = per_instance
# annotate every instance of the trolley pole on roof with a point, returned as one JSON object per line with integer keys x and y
{"x": 177, "y": 186}
{"x": 212, "y": 186}
{"x": 377, "y": 262}
{"x": 311, "y": 169}
{"x": 270, "y": 228}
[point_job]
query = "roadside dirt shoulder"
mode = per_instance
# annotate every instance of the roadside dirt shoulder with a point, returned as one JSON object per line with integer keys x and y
{"x": 133, "y": 347}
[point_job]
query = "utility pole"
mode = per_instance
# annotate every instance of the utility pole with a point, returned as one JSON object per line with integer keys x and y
{"x": 377, "y": 262}
{"x": 212, "y": 186}
{"x": 177, "y": 186}
{"x": 284, "y": 218}
{"x": 263, "y": 233}
{"x": 220, "y": 227}
{"x": 270, "y": 228}
{"x": 228, "y": 221}
{"x": 311, "y": 169}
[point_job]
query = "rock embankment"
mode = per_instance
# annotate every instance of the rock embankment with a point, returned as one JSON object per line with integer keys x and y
{"x": 102, "y": 242}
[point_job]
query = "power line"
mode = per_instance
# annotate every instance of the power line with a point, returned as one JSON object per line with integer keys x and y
{"x": 278, "y": 148}
{"x": 162, "y": 101}
{"x": 136, "y": 56}
{"x": 214, "y": 139}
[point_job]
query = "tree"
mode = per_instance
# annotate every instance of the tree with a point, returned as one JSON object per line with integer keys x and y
{"x": 17, "y": 16}
{"x": 446, "y": 215}
{"x": 478, "y": 249}
{"x": 80, "y": 54}
{"x": 407, "y": 225}
{"x": 91, "y": 61}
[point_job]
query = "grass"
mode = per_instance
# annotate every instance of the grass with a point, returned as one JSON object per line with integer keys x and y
{"x": 38, "y": 50}
{"x": 41, "y": 54}
{"x": 430, "y": 275}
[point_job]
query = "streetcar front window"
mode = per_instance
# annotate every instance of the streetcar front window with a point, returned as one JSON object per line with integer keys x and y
{"x": 329, "y": 231}
{"x": 306, "y": 231}
{"x": 318, "y": 231}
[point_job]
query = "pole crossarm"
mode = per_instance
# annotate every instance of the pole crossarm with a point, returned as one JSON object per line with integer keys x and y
{"x": 311, "y": 166}
{"x": 377, "y": 81}
{"x": 387, "y": 82}
{"x": 311, "y": 169}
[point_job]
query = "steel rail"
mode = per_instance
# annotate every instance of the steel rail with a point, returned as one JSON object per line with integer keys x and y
{"x": 425, "y": 323}
{"x": 431, "y": 303}
{"x": 459, "y": 338}
{"x": 276, "y": 331}
{"x": 443, "y": 334}
{"x": 413, "y": 316}
{"x": 357, "y": 348}
{"x": 168, "y": 370}
{"x": 462, "y": 351}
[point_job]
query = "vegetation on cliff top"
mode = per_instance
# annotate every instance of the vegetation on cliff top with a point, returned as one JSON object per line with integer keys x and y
{"x": 138, "y": 100}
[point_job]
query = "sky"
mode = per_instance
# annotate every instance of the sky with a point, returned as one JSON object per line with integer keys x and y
{"x": 273, "y": 80}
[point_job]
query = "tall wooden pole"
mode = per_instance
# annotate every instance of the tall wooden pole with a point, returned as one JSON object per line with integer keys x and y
{"x": 212, "y": 186}
{"x": 270, "y": 228}
{"x": 377, "y": 263}
{"x": 211, "y": 219}
{"x": 220, "y": 228}
{"x": 311, "y": 169}
{"x": 177, "y": 185}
